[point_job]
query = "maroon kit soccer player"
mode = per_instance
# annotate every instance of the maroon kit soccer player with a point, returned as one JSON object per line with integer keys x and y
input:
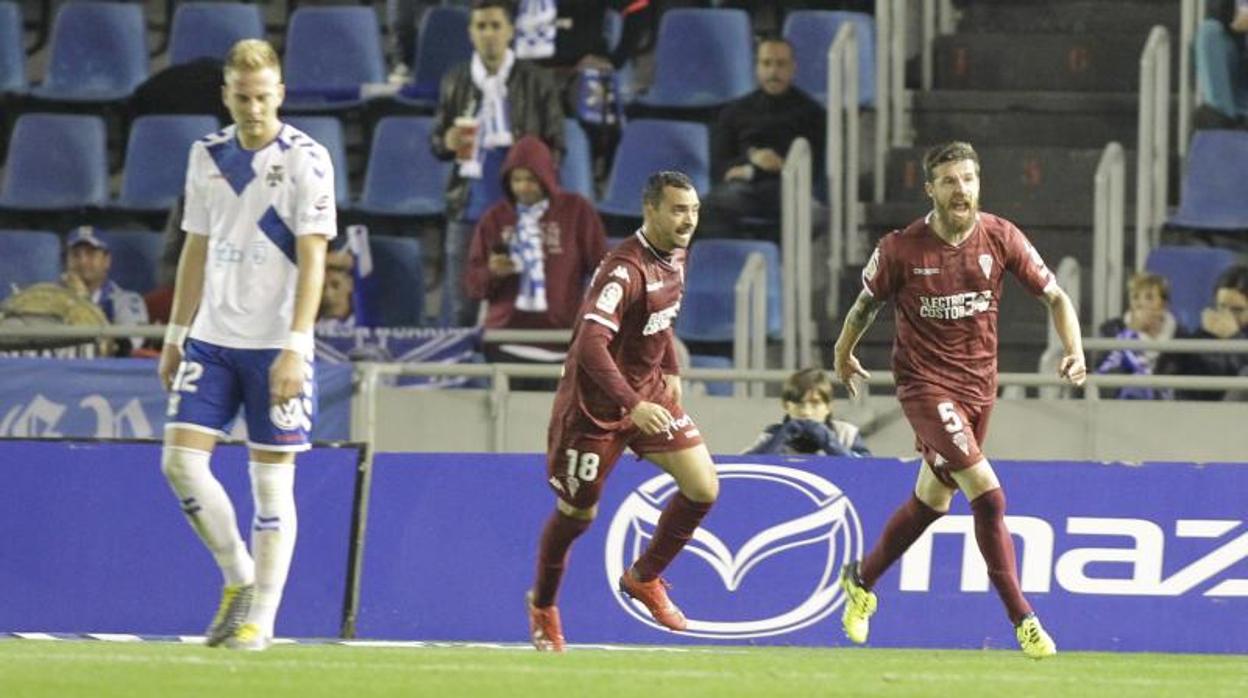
{"x": 944, "y": 274}
{"x": 620, "y": 389}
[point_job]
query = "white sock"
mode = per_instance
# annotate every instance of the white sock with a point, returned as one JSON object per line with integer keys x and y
{"x": 209, "y": 510}
{"x": 273, "y": 533}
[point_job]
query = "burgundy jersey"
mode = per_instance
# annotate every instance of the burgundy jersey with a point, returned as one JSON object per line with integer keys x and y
{"x": 622, "y": 340}
{"x": 946, "y": 299}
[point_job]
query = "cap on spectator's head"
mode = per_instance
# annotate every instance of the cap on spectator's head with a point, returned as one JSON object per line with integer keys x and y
{"x": 86, "y": 235}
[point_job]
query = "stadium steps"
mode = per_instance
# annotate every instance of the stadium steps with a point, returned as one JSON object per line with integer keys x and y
{"x": 1039, "y": 88}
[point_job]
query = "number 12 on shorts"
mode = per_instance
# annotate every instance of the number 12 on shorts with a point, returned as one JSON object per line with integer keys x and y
{"x": 582, "y": 465}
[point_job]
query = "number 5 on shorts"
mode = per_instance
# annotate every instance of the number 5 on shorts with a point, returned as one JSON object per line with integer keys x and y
{"x": 582, "y": 465}
{"x": 948, "y": 415}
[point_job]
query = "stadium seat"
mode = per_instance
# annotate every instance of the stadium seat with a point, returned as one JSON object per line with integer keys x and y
{"x": 12, "y": 55}
{"x": 209, "y": 29}
{"x": 648, "y": 145}
{"x": 55, "y": 162}
{"x": 711, "y": 361}
{"x": 399, "y": 267}
{"x": 156, "y": 154}
{"x": 442, "y": 42}
{"x": 28, "y": 257}
{"x": 811, "y": 33}
{"x": 703, "y": 58}
{"x": 330, "y": 53}
{"x": 708, "y": 310}
{"x": 1192, "y": 271}
{"x": 1215, "y": 191}
{"x": 576, "y": 170}
{"x": 403, "y": 178}
{"x": 136, "y": 257}
{"x": 98, "y": 53}
{"x": 327, "y": 130}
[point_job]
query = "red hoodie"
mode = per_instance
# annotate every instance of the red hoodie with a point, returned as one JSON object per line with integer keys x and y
{"x": 574, "y": 242}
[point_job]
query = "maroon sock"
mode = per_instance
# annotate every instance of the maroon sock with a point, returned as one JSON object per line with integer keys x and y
{"x": 552, "y": 555}
{"x": 903, "y": 528}
{"x": 676, "y": 526}
{"x": 997, "y": 547}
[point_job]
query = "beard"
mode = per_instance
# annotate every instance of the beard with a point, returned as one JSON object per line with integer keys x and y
{"x": 956, "y": 221}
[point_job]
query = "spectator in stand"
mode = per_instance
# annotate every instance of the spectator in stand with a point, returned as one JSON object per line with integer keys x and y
{"x": 484, "y": 106}
{"x": 1227, "y": 319}
{"x": 87, "y": 262}
{"x": 1222, "y": 64}
{"x": 532, "y": 252}
{"x": 337, "y": 310}
{"x": 1149, "y": 317}
{"x": 808, "y": 426}
{"x": 751, "y": 138}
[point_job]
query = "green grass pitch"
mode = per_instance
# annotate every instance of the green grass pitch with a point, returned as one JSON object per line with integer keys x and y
{"x": 68, "y": 669}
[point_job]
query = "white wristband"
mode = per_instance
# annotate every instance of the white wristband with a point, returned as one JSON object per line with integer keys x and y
{"x": 302, "y": 343}
{"x": 176, "y": 334}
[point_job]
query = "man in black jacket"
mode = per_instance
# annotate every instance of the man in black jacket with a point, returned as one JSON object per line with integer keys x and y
{"x": 750, "y": 140}
{"x": 484, "y": 106}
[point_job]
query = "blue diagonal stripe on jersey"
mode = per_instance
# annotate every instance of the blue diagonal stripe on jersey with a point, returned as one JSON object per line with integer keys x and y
{"x": 275, "y": 229}
{"x": 234, "y": 163}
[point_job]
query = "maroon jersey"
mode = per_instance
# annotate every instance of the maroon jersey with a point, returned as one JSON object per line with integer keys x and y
{"x": 946, "y": 299}
{"x": 622, "y": 340}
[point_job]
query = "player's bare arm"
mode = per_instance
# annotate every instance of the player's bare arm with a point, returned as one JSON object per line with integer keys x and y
{"x": 1066, "y": 322}
{"x": 286, "y": 374}
{"x": 187, "y": 291}
{"x": 857, "y": 320}
{"x": 673, "y": 388}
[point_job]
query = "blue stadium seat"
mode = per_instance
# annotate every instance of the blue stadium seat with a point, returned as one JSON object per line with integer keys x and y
{"x": 327, "y": 130}
{"x": 330, "y": 53}
{"x": 403, "y": 177}
{"x": 210, "y": 29}
{"x": 55, "y": 162}
{"x": 576, "y": 170}
{"x": 648, "y": 145}
{"x": 28, "y": 257}
{"x": 156, "y": 155}
{"x": 136, "y": 257}
{"x": 1192, "y": 271}
{"x": 721, "y": 388}
{"x": 442, "y": 42}
{"x": 1215, "y": 190}
{"x": 707, "y": 313}
{"x": 703, "y": 58}
{"x": 12, "y": 53}
{"x": 399, "y": 267}
{"x": 98, "y": 53}
{"x": 811, "y": 33}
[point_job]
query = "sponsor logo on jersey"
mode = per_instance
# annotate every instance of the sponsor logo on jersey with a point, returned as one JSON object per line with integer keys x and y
{"x": 660, "y": 320}
{"x": 610, "y": 297}
{"x": 619, "y": 272}
{"x": 654, "y": 286}
{"x": 926, "y": 271}
{"x": 275, "y": 175}
{"x": 955, "y": 306}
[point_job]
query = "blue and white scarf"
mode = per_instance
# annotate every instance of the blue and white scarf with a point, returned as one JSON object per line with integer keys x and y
{"x": 529, "y": 256}
{"x": 494, "y": 114}
{"x": 535, "y": 28}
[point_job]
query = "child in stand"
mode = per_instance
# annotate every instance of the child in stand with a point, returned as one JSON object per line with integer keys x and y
{"x": 1148, "y": 317}
{"x": 808, "y": 426}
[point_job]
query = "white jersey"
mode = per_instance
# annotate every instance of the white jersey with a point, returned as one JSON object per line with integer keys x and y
{"x": 252, "y": 204}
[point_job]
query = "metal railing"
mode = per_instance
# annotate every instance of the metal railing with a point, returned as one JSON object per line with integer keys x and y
{"x": 795, "y": 252}
{"x": 883, "y": 94}
{"x": 1152, "y": 153}
{"x": 939, "y": 18}
{"x": 749, "y": 332}
{"x": 1190, "y": 13}
{"x": 1107, "y": 234}
{"x": 841, "y": 160}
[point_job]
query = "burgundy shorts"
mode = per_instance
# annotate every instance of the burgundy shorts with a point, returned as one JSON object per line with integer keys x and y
{"x": 948, "y": 433}
{"x": 579, "y": 461}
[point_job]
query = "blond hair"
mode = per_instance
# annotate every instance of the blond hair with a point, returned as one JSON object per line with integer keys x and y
{"x": 1144, "y": 280}
{"x": 250, "y": 55}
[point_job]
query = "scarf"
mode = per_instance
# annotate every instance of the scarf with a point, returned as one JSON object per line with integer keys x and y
{"x": 528, "y": 254}
{"x": 494, "y": 130}
{"x": 535, "y": 28}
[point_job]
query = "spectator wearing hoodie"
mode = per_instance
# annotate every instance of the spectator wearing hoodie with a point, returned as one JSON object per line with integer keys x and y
{"x": 1148, "y": 317}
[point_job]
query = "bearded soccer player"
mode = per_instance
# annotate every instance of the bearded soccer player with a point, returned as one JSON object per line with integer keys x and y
{"x": 620, "y": 388}
{"x": 944, "y": 273}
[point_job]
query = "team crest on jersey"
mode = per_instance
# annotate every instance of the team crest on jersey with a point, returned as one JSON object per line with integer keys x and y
{"x": 274, "y": 176}
{"x": 985, "y": 265}
{"x": 610, "y": 297}
{"x": 660, "y": 320}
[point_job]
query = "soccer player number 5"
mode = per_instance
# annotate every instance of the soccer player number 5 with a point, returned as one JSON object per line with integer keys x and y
{"x": 948, "y": 415}
{"x": 583, "y": 466}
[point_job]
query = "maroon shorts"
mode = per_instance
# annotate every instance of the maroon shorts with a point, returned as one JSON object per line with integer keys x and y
{"x": 579, "y": 460}
{"x": 948, "y": 433}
